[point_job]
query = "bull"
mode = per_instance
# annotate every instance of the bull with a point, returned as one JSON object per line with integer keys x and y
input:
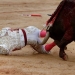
{"x": 61, "y": 26}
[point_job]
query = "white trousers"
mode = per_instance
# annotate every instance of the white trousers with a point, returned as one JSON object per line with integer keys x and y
{"x": 9, "y": 40}
{"x": 33, "y": 38}
{"x": 14, "y": 40}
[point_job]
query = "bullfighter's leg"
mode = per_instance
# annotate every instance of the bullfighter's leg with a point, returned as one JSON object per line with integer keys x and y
{"x": 49, "y": 46}
{"x": 33, "y": 38}
{"x": 40, "y": 48}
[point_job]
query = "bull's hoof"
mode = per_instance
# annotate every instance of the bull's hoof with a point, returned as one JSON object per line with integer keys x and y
{"x": 65, "y": 57}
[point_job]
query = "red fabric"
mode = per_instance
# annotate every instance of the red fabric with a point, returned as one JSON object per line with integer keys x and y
{"x": 25, "y": 38}
{"x": 43, "y": 33}
{"x": 55, "y": 14}
{"x": 48, "y": 47}
{"x": 51, "y": 22}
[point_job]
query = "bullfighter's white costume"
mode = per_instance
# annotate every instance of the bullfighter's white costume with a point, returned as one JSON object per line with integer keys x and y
{"x": 15, "y": 39}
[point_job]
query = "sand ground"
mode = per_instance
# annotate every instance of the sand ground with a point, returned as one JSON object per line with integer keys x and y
{"x": 25, "y": 62}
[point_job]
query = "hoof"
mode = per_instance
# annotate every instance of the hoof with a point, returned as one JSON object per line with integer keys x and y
{"x": 65, "y": 57}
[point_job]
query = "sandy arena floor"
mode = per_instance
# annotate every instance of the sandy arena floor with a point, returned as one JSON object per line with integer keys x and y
{"x": 26, "y": 62}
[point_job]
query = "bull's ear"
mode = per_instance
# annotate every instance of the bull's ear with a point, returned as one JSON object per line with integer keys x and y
{"x": 45, "y": 39}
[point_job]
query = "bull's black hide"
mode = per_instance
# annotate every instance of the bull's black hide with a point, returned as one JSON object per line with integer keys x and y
{"x": 63, "y": 27}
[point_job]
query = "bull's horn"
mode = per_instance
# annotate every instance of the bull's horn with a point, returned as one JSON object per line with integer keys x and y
{"x": 45, "y": 39}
